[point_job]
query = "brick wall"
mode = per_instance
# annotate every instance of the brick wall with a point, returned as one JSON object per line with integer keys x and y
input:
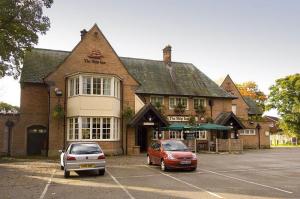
{"x": 75, "y": 63}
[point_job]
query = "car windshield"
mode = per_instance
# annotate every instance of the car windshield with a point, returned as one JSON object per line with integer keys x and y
{"x": 85, "y": 149}
{"x": 174, "y": 146}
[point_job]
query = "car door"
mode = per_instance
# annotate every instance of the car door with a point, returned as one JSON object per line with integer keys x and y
{"x": 156, "y": 153}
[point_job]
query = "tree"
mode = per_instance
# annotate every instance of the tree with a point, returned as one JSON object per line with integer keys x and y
{"x": 7, "y": 108}
{"x": 20, "y": 23}
{"x": 285, "y": 97}
{"x": 250, "y": 89}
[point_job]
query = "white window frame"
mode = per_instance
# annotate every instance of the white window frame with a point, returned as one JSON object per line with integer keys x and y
{"x": 247, "y": 132}
{"x": 176, "y": 102}
{"x": 77, "y": 86}
{"x": 154, "y": 99}
{"x": 115, "y": 129}
{"x": 155, "y": 134}
{"x": 198, "y": 98}
{"x": 198, "y": 137}
{"x": 176, "y": 137}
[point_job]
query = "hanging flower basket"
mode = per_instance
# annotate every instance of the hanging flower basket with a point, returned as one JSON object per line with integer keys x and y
{"x": 58, "y": 112}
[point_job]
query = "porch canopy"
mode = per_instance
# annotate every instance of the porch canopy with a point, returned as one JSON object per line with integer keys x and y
{"x": 186, "y": 127}
{"x": 210, "y": 126}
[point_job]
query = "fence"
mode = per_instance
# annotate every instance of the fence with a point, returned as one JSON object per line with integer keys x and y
{"x": 230, "y": 145}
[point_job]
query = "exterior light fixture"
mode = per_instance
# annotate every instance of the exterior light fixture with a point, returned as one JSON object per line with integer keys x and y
{"x": 58, "y": 92}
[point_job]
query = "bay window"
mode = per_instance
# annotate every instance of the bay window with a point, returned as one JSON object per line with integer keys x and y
{"x": 94, "y": 85}
{"x": 93, "y": 128}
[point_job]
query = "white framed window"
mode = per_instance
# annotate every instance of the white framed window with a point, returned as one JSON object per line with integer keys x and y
{"x": 93, "y": 128}
{"x": 174, "y": 101}
{"x": 86, "y": 85}
{"x": 199, "y": 102}
{"x": 176, "y": 135}
{"x": 247, "y": 132}
{"x": 94, "y": 85}
{"x": 74, "y": 86}
{"x": 157, "y": 99}
{"x": 201, "y": 135}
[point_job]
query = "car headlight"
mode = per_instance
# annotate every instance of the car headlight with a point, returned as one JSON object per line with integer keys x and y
{"x": 194, "y": 156}
{"x": 170, "y": 156}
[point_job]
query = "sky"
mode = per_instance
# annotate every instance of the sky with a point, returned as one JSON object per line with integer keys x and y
{"x": 254, "y": 40}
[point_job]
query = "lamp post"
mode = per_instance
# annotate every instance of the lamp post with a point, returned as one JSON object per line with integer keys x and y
{"x": 258, "y": 127}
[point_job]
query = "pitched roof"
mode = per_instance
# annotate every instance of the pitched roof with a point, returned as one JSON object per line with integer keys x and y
{"x": 39, "y": 63}
{"x": 253, "y": 108}
{"x": 154, "y": 76}
{"x": 224, "y": 117}
{"x": 148, "y": 108}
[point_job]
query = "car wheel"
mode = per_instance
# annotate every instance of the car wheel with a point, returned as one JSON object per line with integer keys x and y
{"x": 101, "y": 172}
{"x": 162, "y": 165}
{"x": 148, "y": 160}
{"x": 66, "y": 173}
{"x": 61, "y": 167}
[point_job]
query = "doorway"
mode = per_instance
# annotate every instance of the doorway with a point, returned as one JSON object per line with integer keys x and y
{"x": 142, "y": 138}
{"x": 36, "y": 140}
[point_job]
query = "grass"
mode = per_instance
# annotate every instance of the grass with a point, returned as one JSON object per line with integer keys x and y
{"x": 285, "y": 145}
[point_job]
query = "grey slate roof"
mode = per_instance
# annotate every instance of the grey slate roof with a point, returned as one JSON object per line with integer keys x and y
{"x": 154, "y": 76}
{"x": 224, "y": 117}
{"x": 253, "y": 108}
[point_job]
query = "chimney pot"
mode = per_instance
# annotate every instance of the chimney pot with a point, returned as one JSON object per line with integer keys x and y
{"x": 82, "y": 33}
{"x": 167, "y": 54}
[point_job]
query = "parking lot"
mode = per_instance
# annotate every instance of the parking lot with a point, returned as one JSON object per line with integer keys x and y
{"x": 271, "y": 173}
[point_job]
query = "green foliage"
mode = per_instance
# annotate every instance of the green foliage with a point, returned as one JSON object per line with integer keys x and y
{"x": 7, "y": 108}
{"x": 180, "y": 108}
{"x": 128, "y": 113}
{"x": 285, "y": 97}
{"x": 200, "y": 110}
{"x": 159, "y": 107}
{"x": 192, "y": 120}
{"x": 250, "y": 89}
{"x": 58, "y": 112}
{"x": 20, "y": 23}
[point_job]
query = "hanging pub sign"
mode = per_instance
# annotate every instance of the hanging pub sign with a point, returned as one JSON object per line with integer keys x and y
{"x": 94, "y": 57}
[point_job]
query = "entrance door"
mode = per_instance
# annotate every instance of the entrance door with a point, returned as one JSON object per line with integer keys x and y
{"x": 36, "y": 140}
{"x": 142, "y": 138}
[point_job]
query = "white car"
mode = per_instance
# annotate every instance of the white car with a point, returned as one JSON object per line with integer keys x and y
{"x": 82, "y": 156}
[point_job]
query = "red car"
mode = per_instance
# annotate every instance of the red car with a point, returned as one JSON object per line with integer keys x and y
{"x": 171, "y": 154}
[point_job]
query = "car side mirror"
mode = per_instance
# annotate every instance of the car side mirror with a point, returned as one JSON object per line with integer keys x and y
{"x": 61, "y": 151}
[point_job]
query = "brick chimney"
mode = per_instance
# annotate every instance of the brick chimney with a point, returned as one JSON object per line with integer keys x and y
{"x": 167, "y": 54}
{"x": 82, "y": 33}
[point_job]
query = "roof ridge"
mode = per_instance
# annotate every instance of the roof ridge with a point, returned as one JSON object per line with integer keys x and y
{"x": 46, "y": 49}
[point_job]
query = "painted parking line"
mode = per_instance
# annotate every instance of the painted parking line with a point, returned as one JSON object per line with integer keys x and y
{"x": 247, "y": 181}
{"x": 120, "y": 185}
{"x": 186, "y": 183}
{"x": 47, "y": 185}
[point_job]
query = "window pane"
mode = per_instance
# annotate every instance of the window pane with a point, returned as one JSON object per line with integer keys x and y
{"x": 77, "y": 86}
{"x": 71, "y": 87}
{"x": 70, "y": 128}
{"x": 96, "y": 86}
{"x": 76, "y": 133}
{"x": 172, "y": 102}
{"x": 86, "y": 85}
{"x": 106, "y": 128}
{"x": 106, "y": 86}
{"x": 85, "y": 131}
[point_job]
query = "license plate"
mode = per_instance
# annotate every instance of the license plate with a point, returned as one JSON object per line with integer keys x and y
{"x": 185, "y": 162}
{"x": 87, "y": 166}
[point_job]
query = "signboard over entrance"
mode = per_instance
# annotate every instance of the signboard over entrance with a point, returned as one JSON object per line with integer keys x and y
{"x": 176, "y": 118}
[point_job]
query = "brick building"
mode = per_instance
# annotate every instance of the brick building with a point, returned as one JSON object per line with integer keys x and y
{"x": 92, "y": 94}
{"x": 256, "y": 132}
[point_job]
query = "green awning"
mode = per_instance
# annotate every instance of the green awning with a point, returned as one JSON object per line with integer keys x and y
{"x": 210, "y": 126}
{"x": 177, "y": 127}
